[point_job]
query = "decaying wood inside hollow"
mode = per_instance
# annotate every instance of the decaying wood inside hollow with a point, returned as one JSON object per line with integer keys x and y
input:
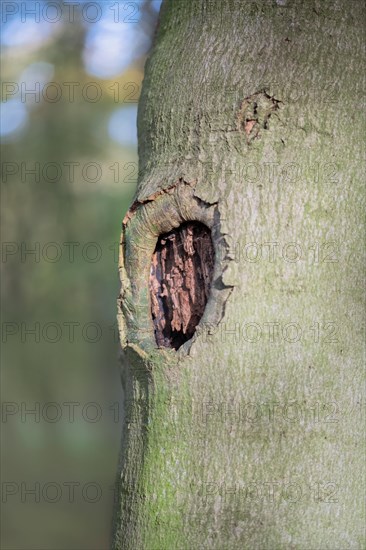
{"x": 180, "y": 281}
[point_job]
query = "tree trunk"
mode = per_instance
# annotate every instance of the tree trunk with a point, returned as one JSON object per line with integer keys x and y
{"x": 250, "y": 433}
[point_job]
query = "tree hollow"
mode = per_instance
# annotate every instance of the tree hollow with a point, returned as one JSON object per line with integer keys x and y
{"x": 180, "y": 281}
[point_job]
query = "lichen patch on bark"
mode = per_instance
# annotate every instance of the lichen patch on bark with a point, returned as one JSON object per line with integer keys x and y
{"x": 180, "y": 280}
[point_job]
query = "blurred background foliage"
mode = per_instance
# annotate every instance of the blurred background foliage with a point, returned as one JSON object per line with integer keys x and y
{"x": 71, "y": 78}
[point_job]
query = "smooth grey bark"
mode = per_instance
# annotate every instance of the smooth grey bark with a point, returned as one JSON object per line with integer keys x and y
{"x": 252, "y": 434}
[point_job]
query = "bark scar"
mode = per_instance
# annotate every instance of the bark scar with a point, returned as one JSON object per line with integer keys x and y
{"x": 255, "y": 112}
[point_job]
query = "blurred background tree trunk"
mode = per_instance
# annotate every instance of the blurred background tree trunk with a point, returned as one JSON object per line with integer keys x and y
{"x": 250, "y": 435}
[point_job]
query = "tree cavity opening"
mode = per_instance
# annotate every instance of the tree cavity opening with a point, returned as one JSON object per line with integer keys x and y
{"x": 180, "y": 281}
